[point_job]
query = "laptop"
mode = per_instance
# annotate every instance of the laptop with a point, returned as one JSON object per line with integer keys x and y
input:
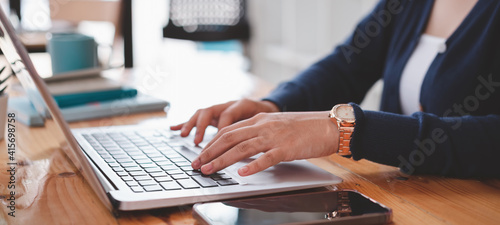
{"x": 138, "y": 167}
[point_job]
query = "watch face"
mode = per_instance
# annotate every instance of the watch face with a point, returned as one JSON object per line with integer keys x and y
{"x": 344, "y": 112}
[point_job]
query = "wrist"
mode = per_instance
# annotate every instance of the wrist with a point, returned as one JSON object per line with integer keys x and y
{"x": 332, "y": 134}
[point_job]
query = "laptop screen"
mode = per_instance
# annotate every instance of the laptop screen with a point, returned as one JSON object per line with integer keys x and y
{"x": 19, "y": 69}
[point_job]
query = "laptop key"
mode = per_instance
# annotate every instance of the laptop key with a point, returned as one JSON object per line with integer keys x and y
{"x": 118, "y": 169}
{"x": 149, "y": 165}
{"x": 178, "y": 160}
{"x": 162, "y": 179}
{"x": 101, "y": 151}
{"x": 169, "y": 167}
{"x": 115, "y": 164}
{"x": 138, "y": 173}
{"x": 106, "y": 156}
{"x": 153, "y": 188}
{"x": 153, "y": 169}
{"x": 143, "y": 177}
{"x": 186, "y": 168}
{"x": 172, "y": 155}
{"x": 127, "y": 178}
{"x": 205, "y": 181}
{"x": 139, "y": 156}
{"x": 133, "y": 169}
{"x": 184, "y": 164}
{"x": 147, "y": 182}
{"x": 132, "y": 183}
{"x": 110, "y": 160}
{"x": 144, "y": 161}
{"x": 193, "y": 172}
{"x": 131, "y": 164}
{"x": 172, "y": 172}
{"x": 220, "y": 177}
{"x": 159, "y": 159}
{"x": 227, "y": 182}
{"x": 121, "y": 156}
{"x": 154, "y": 155}
{"x": 121, "y": 174}
{"x": 114, "y": 150}
{"x": 112, "y": 147}
{"x": 137, "y": 189}
{"x": 127, "y": 160}
{"x": 158, "y": 174}
{"x": 165, "y": 163}
{"x": 147, "y": 148}
{"x": 170, "y": 185}
{"x": 127, "y": 145}
{"x": 180, "y": 176}
{"x": 140, "y": 143}
{"x": 132, "y": 151}
{"x": 188, "y": 183}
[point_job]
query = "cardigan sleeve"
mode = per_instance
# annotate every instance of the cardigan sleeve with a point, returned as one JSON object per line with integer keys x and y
{"x": 348, "y": 72}
{"x": 424, "y": 143}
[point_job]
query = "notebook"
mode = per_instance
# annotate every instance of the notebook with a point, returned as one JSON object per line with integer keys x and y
{"x": 28, "y": 115}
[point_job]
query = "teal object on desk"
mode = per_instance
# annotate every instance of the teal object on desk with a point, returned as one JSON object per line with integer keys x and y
{"x": 224, "y": 46}
{"x": 72, "y": 51}
{"x": 99, "y": 96}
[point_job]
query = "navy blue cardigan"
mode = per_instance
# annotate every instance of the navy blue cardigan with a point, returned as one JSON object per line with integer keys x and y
{"x": 458, "y": 132}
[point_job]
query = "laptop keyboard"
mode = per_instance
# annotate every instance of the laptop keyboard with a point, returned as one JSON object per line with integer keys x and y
{"x": 150, "y": 161}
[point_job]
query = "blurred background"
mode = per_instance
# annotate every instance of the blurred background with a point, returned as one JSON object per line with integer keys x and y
{"x": 273, "y": 39}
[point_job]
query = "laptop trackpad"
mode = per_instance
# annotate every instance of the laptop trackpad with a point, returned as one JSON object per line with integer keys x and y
{"x": 295, "y": 171}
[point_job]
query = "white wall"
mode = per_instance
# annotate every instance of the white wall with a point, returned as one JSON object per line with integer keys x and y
{"x": 289, "y": 35}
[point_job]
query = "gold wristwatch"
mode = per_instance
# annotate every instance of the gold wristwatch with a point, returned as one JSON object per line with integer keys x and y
{"x": 343, "y": 116}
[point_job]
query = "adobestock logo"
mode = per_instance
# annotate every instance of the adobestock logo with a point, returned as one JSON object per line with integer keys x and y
{"x": 427, "y": 147}
{"x": 363, "y": 36}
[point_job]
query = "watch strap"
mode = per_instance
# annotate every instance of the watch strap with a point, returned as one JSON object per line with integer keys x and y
{"x": 345, "y": 134}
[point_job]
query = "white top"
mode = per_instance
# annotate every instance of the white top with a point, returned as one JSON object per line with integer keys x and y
{"x": 414, "y": 72}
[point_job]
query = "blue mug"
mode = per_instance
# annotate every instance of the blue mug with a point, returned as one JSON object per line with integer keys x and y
{"x": 71, "y": 51}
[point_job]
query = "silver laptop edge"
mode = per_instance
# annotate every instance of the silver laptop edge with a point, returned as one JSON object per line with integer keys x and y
{"x": 112, "y": 190}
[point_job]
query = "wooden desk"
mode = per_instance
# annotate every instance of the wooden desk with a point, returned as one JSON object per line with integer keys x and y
{"x": 51, "y": 191}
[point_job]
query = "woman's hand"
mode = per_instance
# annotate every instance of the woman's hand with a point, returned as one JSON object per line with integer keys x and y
{"x": 281, "y": 136}
{"x": 223, "y": 115}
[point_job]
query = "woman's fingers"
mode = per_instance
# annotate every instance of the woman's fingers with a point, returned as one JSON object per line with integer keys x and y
{"x": 235, "y": 154}
{"x": 230, "y": 128}
{"x": 268, "y": 159}
{"x": 177, "y": 127}
{"x": 204, "y": 119}
{"x": 188, "y": 126}
{"x": 227, "y": 117}
{"x": 283, "y": 137}
{"x": 201, "y": 119}
{"x": 240, "y": 110}
{"x": 221, "y": 143}
{"x": 221, "y": 116}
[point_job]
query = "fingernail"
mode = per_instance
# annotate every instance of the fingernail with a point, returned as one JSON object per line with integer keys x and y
{"x": 196, "y": 164}
{"x": 207, "y": 168}
{"x": 243, "y": 170}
